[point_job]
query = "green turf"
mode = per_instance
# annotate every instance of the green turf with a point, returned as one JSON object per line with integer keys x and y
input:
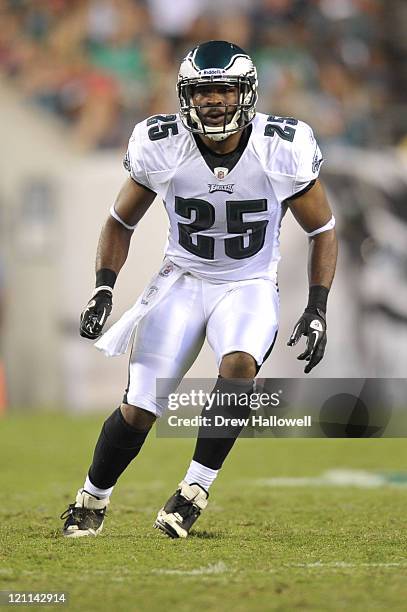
{"x": 254, "y": 548}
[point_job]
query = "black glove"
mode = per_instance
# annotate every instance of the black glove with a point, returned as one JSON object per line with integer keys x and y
{"x": 96, "y": 312}
{"x": 313, "y": 326}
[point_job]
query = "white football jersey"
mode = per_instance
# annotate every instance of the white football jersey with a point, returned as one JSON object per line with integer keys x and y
{"x": 224, "y": 226}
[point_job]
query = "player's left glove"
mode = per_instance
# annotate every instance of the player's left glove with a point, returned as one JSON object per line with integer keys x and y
{"x": 95, "y": 313}
{"x": 313, "y": 326}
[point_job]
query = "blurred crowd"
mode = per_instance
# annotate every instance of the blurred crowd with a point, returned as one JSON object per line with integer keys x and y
{"x": 102, "y": 65}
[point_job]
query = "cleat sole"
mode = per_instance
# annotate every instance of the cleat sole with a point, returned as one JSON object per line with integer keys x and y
{"x": 166, "y": 529}
{"x": 81, "y": 533}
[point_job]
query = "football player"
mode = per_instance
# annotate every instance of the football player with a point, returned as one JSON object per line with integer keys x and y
{"x": 226, "y": 176}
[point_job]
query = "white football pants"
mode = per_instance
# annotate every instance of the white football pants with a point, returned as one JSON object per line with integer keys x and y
{"x": 238, "y": 316}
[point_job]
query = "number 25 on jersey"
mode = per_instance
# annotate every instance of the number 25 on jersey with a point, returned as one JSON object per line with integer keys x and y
{"x": 236, "y": 247}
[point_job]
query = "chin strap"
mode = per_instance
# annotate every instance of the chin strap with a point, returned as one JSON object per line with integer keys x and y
{"x": 219, "y": 137}
{"x": 212, "y": 133}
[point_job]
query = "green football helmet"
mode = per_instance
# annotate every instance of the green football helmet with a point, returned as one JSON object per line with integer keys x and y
{"x": 217, "y": 61}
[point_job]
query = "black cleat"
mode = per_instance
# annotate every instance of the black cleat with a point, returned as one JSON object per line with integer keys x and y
{"x": 85, "y": 516}
{"x": 182, "y": 510}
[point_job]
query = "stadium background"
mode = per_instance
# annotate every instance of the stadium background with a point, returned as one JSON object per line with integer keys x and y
{"x": 292, "y": 524}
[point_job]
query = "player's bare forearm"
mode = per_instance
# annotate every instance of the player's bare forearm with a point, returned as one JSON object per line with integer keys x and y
{"x": 131, "y": 204}
{"x": 113, "y": 246}
{"x": 114, "y": 241}
{"x": 312, "y": 211}
{"x": 323, "y": 252}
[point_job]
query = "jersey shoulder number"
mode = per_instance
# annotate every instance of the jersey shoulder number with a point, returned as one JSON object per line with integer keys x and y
{"x": 161, "y": 126}
{"x": 290, "y": 153}
{"x": 151, "y": 148}
{"x": 283, "y": 127}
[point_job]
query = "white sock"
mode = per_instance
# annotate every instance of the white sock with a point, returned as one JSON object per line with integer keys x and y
{"x": 90, "y": 488}
{"x": 200, "y": 474}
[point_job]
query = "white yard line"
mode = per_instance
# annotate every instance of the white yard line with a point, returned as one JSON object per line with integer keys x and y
{"x": 220, "y": 568}
{"x": 345, "y": 564}
{"x": 215, "y": 568}
{"x": 333, "y": 478}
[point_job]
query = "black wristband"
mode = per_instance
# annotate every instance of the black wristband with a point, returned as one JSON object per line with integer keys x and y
{"x": 317, "y": 298}
{"x": 105, "y": 278}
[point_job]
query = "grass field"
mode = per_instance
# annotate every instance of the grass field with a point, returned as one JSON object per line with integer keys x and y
{"x": 257, "y": 546}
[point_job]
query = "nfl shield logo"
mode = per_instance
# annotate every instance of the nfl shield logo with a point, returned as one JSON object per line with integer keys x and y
{"x": 167, "y": 269}
{"x": 220, "y": 173}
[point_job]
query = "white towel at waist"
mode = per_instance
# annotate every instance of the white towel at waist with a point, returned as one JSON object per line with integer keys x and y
{"x": 117, "y": 339}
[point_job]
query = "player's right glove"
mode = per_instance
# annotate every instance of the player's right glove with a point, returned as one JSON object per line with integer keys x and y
{"x": 96, "y": 312}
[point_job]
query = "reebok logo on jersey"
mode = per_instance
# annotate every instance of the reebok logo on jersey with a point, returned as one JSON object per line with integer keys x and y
{"x": 227, "y": 188}
{"x": 149, "y": 294}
